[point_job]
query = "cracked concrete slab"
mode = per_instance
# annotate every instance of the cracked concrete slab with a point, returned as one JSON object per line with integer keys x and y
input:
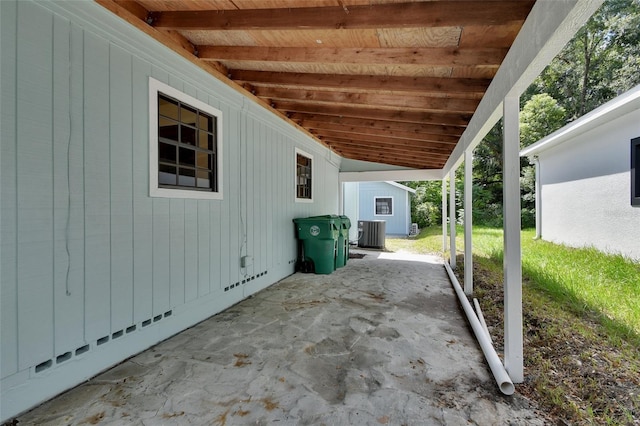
{"x": 380, "y": 341}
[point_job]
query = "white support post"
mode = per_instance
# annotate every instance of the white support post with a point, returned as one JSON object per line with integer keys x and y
{"x": 513, "y": 339}
{"x": 444, "y": 214}
{"x": 452, "y": 218}
{"x": 468, "y": 221}
{"x": 536, "y": 161}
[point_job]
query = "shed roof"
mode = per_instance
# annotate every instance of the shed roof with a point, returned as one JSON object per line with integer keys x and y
{"x": 401, "y": 186}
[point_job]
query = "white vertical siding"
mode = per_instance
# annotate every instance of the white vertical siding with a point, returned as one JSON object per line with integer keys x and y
{"x": 68, "y": 188}
{"x": 97, "y": 185}
{"x": 121, "y": 185}
{"x": 142, "y": 204}
{"x": 89, "y": 263}
{"x": 8, "y": 193}
{"x": 34, "y": 185}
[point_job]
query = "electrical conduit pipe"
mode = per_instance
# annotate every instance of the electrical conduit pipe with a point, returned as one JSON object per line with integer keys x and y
{"x": 499, "y": 373}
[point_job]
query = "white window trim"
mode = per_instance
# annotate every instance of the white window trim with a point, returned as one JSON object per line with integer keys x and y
{"x": 156, "y": 87}
{"x": 295, "y": 176}
{"x": 375, "y": 202}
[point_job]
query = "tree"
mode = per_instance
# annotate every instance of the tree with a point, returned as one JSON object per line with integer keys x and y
{"x": 426, "y": 203}
{"x": 600, "y": 62}
{"x": 540, "y": 116}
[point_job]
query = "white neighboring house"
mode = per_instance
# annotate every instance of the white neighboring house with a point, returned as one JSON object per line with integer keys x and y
{"x": 587, "y": 179}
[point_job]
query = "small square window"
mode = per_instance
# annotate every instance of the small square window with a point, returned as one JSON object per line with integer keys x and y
{"x": 635, "y": 172}
{"x": 185, "y": 145}
{"x": 384, "y": 206}
{"x": 304, "y": 176}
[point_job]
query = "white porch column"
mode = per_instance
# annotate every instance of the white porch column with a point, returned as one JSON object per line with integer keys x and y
{"x": 513, "y": 340}
{"x": 468, "y": 221}
{"x": 538, "y": 190}
{"x": 444, "y": 214}
{"x": 452, "y": 218}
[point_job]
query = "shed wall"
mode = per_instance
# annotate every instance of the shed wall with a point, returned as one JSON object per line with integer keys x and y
{"x": 399, "y": 222}
{"x": 585, "y": 196}
{"x": 92, "y": 269}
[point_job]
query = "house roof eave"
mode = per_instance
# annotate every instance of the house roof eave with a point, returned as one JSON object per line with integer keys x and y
{"x": 617, "y": 107}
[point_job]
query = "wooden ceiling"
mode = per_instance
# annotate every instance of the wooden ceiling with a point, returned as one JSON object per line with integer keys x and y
{"x": 386, "y": 81}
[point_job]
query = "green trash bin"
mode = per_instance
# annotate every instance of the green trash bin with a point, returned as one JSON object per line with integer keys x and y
{"x": 319, "y": 236}
{"x": 343, "y": 242}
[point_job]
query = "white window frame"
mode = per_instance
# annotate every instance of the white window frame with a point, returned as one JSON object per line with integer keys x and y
{"x": 155, "y": 190}
{"x": 295, "y": 175}
{"x": 375, "y": 205}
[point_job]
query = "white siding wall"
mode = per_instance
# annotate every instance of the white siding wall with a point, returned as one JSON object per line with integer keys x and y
{"x": 586, "y": 189}
{"x": 86, "y": 256}
{"x": 351, "y": 207}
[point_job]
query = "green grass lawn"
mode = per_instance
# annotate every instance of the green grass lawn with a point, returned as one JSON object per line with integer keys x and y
{"x": 580, "y": 279}
{"x": 581, "y": 318}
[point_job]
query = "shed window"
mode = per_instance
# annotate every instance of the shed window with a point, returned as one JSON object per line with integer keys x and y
{"x": 384, "y": 206}
{"x": 185, "y": 145}
{"x": 304, "y": 176}
{"x": 635, "y": 172}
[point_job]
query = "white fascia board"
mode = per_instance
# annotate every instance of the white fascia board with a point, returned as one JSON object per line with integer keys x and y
{"x": 401, "y": 186}
{"x": 617, "y": 107}
{"x": 391, "y": 175}
{"x": 549, "y": 27}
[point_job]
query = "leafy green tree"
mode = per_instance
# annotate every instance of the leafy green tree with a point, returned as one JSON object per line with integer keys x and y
{"x": 540, "y": 116}
{"x": 426, "y": 203}
{"x": 600, "y": 62}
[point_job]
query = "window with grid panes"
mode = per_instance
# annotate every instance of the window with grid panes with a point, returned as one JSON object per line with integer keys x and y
{"x": 304, "y": 174}
{"x": 186, "y": 147}
{"x": 384, "y": 206}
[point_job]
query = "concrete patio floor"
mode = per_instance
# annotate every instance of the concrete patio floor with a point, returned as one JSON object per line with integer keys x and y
{"x": 380, "y": 341}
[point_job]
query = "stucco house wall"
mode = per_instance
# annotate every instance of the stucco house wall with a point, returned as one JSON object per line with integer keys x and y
{"x": 584, "y": 180}
{"x": 93, "y": 269}
{"x": 398, "y": 222}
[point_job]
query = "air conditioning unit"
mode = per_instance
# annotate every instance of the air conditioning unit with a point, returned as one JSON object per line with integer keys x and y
{"x": 371, "y": 233}
{"x": 414, "y": 230}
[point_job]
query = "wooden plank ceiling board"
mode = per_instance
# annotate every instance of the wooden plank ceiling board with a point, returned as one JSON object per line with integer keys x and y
{"x": 388, "y": 81}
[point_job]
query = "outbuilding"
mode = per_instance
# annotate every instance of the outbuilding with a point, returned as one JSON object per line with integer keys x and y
{"x": 587, "y": 180}
{"x": 387, "y": 200}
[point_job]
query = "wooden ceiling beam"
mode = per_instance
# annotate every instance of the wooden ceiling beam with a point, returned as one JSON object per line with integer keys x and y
{"x": 374, "y": 114}
{"x": 361, "y": 131}
{"x": 317, "y": 121}
{"x": 426, "y": 56}
{"x": 405, "y": 160}
{"x": 400, "y": 15}
{"x": 334, "y": 143}
{"x": 469, "y": 86}
{"x": 436, "y": 147}
{"x": 422, "y": 103}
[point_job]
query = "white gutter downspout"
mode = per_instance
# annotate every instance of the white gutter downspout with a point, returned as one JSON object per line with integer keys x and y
{"x": 499, "y": 373}
{"x": 538, "y": 189}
